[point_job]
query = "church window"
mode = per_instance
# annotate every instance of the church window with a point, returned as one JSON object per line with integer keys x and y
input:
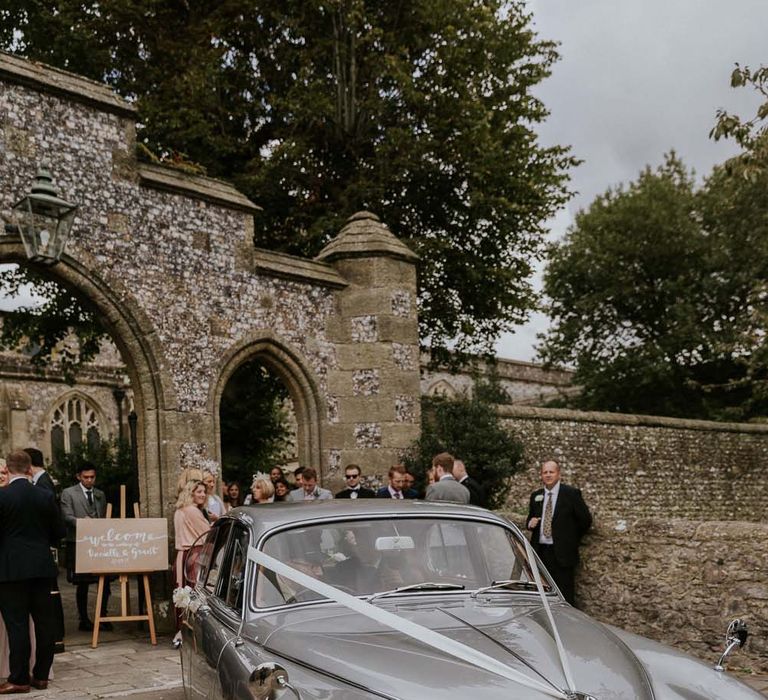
{"x": 74, "y": 421}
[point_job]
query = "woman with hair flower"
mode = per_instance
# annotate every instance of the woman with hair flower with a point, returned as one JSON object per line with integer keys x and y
{"x": 190, "y": 521}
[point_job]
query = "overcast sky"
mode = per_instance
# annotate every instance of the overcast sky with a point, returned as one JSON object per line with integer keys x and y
{"x": 637, "y": 78}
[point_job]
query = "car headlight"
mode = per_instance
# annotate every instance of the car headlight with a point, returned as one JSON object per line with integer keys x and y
{"x": 267, "y": 680}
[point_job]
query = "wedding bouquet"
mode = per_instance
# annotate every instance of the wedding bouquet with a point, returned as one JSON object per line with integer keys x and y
{"x": 182, "y": 597}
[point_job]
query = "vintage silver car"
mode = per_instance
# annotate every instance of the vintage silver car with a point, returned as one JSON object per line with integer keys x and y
{"x": 405, "y": 600}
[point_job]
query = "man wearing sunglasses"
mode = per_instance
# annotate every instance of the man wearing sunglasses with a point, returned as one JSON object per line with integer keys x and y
{"x": 354, "y": 488}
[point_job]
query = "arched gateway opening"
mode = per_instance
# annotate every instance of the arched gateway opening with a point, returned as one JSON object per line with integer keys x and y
{"x": 74, "y": 417}
{"x": 265, "y": 364}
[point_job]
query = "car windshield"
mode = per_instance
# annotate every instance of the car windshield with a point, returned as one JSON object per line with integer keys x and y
{"x": 366, "y": 557}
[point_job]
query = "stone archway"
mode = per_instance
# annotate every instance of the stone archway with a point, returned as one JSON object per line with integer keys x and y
{"x": 132, "y": 333}
{"x": 287, "y": 364}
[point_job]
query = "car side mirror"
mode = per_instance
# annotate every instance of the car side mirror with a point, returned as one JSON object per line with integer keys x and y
{"x": 267, "y": 680}
{"x": 735, "y": 636}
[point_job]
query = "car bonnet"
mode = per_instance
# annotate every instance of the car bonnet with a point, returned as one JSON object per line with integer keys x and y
{"x": 509, "y": 627}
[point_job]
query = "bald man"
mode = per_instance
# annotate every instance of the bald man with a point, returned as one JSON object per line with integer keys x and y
{"x": 557, "y": 519}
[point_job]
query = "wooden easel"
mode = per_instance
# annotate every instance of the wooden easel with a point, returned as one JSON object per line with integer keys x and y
{"x": 125, "y": 600}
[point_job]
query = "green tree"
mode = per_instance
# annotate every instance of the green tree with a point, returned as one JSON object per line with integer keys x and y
{"x": 422, "y": 111}
{"x": 649, "y": 293}
{"x": 255, "y": 431}
{"x": 44, "y": 330}
{"x": 470, "y": 429}
{"x": 750, "y": 134}
{"x": 734, "y": 214}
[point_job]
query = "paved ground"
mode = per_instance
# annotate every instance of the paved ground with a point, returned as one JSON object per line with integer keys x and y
{"x": 126, "y": 665}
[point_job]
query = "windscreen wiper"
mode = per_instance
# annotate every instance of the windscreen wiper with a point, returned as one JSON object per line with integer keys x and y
{"x": 510, "y": 583}
{"x": 425, "y": 586}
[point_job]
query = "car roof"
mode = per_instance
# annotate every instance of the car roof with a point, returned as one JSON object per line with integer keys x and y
{"x": 262, "y": 518}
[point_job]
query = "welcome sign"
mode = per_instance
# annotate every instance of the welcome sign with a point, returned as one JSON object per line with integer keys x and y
{"x": 120, "y": 546}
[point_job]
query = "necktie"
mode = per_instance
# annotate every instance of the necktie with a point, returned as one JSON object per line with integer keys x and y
{"x": 353, "y": 494}
{"x": 547, "y": 531}
{"x": 89, "y": 496}
{"x": 398, "y": 494}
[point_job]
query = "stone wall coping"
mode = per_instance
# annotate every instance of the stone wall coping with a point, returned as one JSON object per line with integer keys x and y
{"x": 44, "y": 78}
{"x": 364, "y": 236}
{"x": 13, "y": 369}
{"x": 565, "y": 414}
{"x": 293, "y": 267}
{"x": 516, "y": 370}
{"x": 682, "y": 528}
{"x": 195, "y": 186}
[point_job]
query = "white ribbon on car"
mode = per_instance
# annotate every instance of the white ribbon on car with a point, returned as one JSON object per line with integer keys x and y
{"x": 445, "y": 645}
{"x": 558, "y": 642}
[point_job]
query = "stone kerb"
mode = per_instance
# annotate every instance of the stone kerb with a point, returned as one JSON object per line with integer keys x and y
{"x": 373, "y": 409}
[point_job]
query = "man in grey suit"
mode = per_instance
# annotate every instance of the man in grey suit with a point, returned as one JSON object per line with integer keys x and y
{"x": 83, "y": 501}
{"x": 446, "y": 488}
{"x": 309, "y": 490}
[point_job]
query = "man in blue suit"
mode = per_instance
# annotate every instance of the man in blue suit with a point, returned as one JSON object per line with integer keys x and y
{"x": 397, "y": 485}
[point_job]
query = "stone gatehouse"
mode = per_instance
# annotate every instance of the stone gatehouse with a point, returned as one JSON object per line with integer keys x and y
{"x": 168, "y": 261}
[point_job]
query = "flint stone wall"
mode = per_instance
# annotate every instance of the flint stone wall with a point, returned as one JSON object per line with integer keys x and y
{"x": 680, "y": 544}
{"x": 169, "y": 262}
{"x": 632, "y": 467}
{"x": 680, "y": 582}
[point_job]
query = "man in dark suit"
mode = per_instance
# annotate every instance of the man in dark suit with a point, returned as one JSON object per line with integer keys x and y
{"x": 409, "y": 490}
{"x": 40, "y": 477}
{"x": 83, "y": 501}
{"x": 476, "y": 491}
{"x": 29, "y": 527}
{"x": 557, "y": 519}
{"x": 354, "y": 488}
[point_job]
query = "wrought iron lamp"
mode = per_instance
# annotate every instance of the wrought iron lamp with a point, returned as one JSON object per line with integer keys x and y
{"x": 43, "y": 220}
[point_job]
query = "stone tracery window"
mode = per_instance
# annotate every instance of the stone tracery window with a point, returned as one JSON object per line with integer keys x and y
{"x": 74, "y": 421}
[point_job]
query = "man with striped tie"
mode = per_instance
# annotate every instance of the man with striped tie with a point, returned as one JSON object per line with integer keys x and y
{"x": 557, "y": 519}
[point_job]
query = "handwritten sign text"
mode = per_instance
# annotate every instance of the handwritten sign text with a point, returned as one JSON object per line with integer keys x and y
{"x": 109, "y": 546}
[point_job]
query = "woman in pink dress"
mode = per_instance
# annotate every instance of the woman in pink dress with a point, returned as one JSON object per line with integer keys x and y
{"x": 189, "y": 522}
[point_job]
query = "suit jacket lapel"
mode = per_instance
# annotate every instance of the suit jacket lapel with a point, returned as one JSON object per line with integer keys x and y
{"x": 83, "y": 500}
{"x": 562, "y": 500}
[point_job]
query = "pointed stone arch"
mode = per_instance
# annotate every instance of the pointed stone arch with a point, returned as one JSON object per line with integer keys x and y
{"x": 289, "y": 365}
{"x": 133, "y": 334}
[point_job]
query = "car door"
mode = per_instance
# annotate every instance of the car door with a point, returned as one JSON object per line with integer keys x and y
{"x": 228, "y": 609}
{"x": 202, "y": 641}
